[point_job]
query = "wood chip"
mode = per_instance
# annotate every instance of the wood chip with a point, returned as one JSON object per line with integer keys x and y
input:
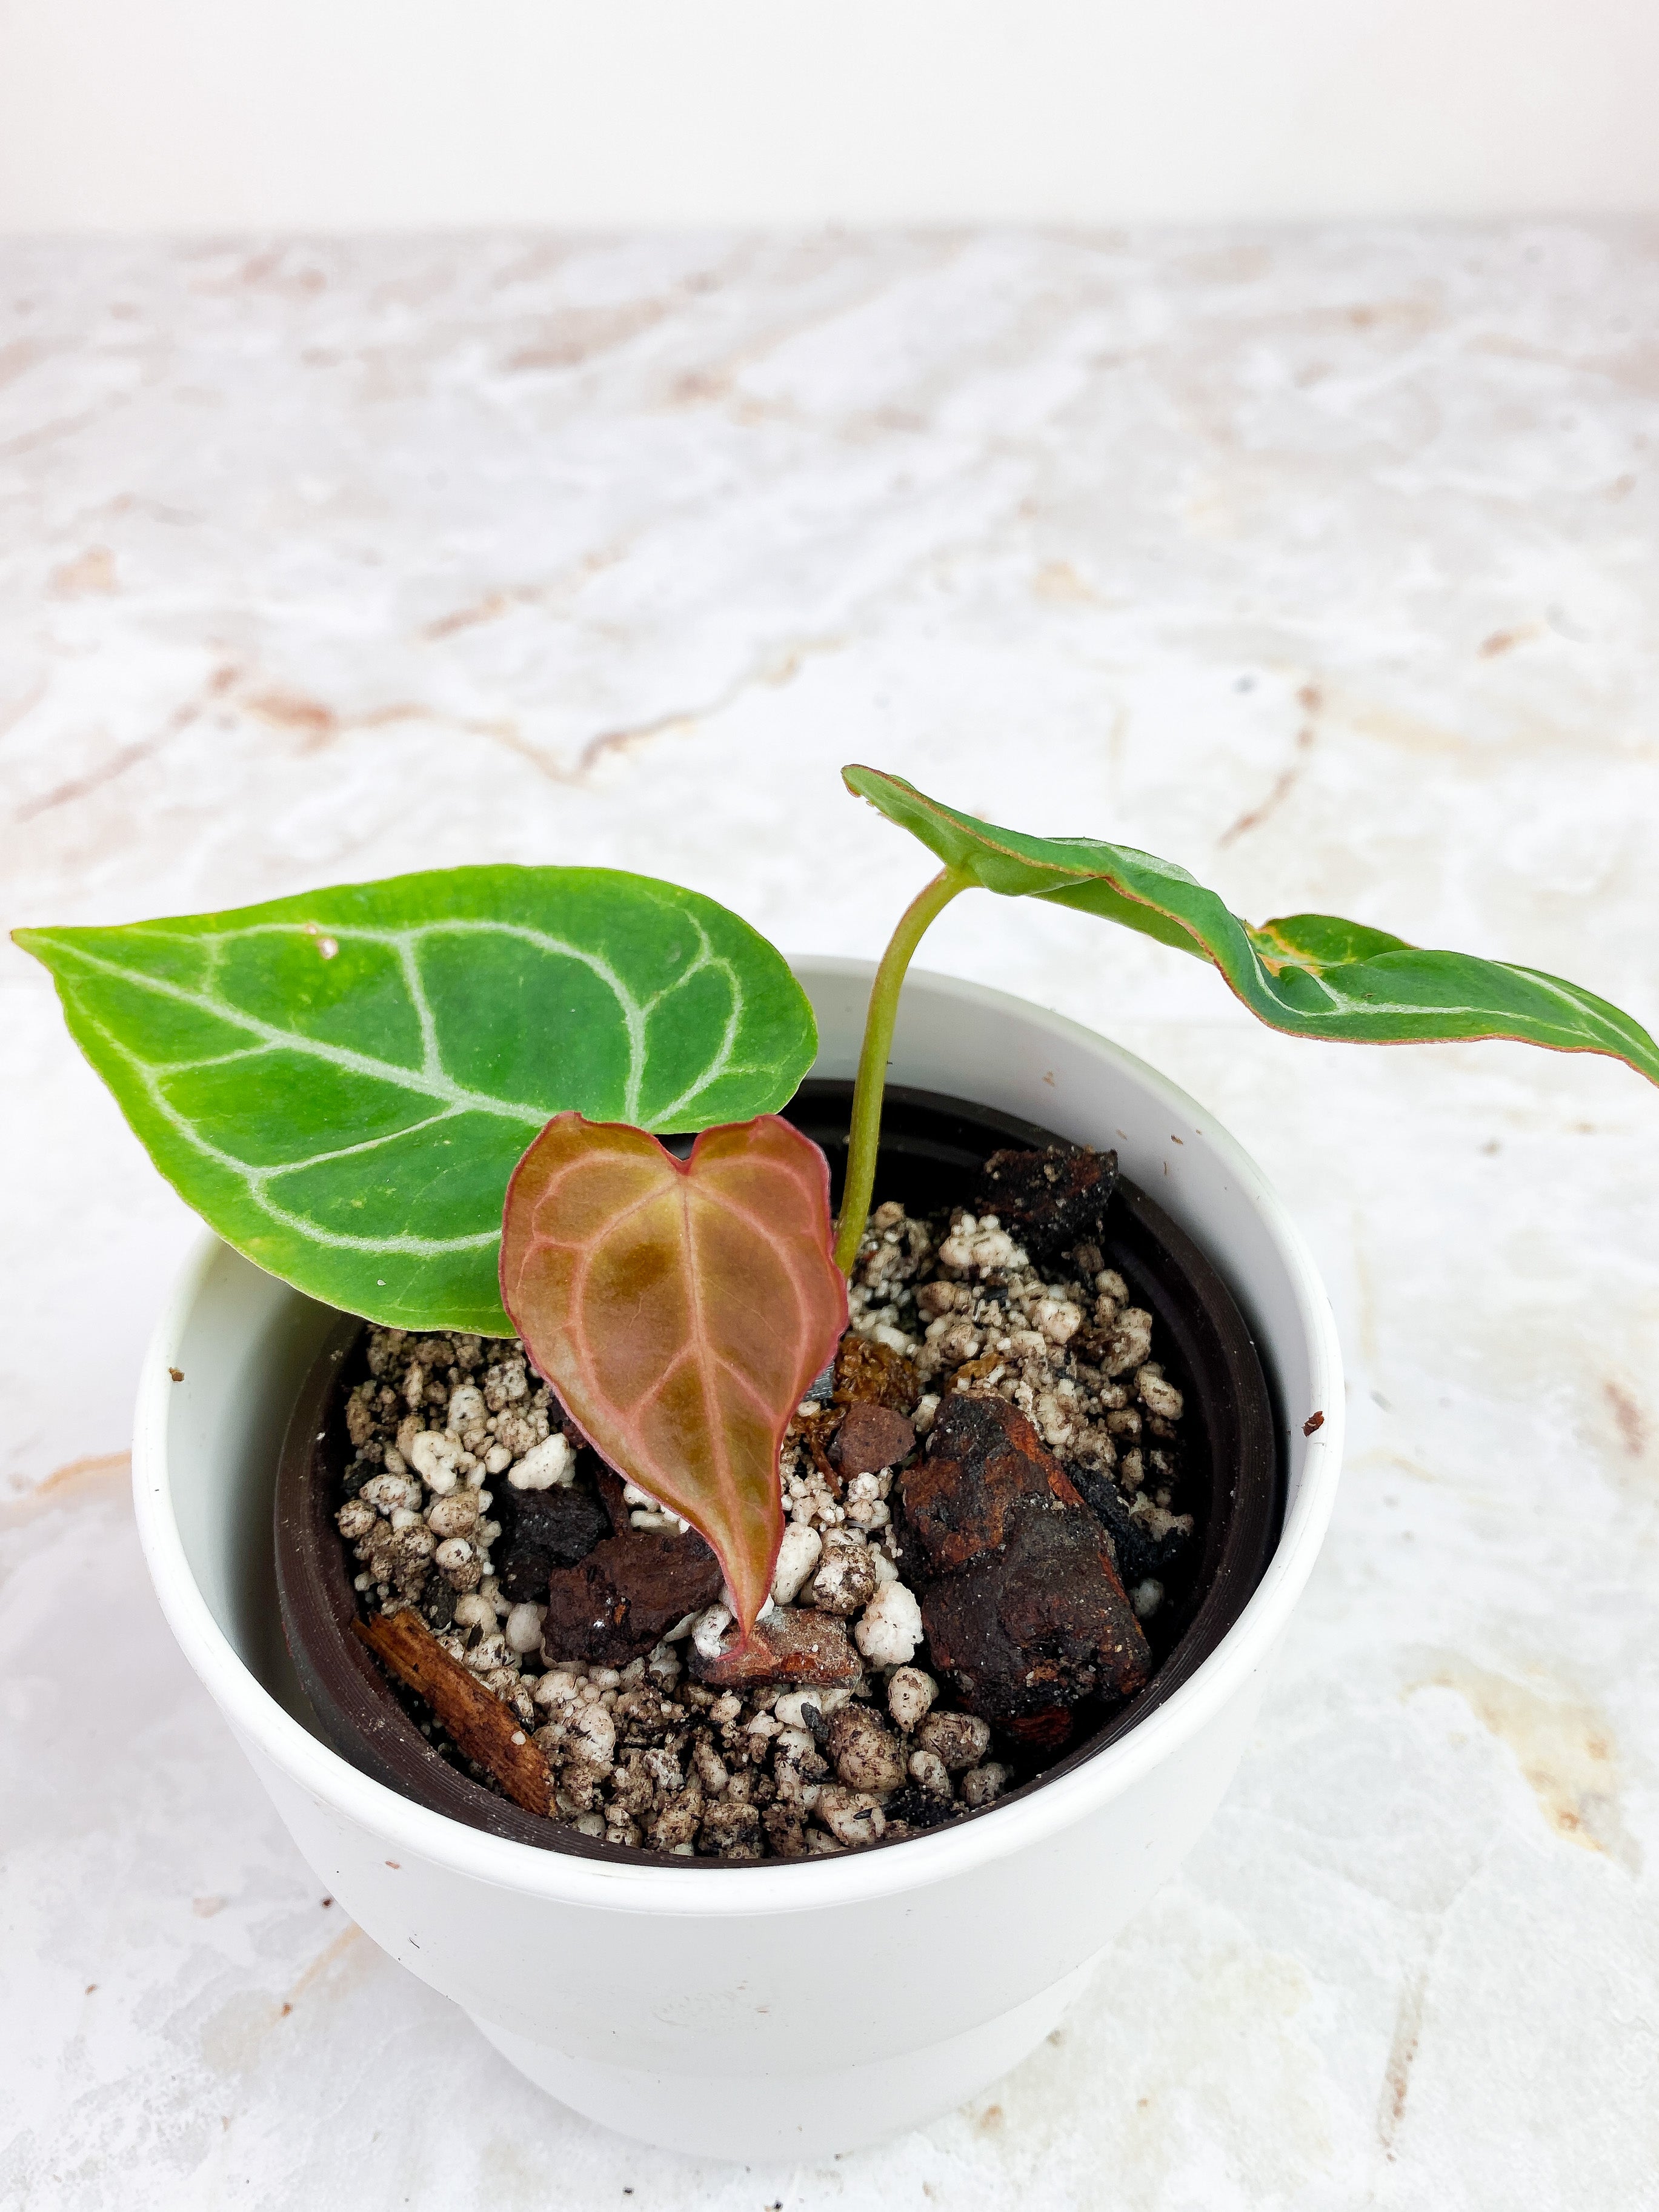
{"x": 485, "y": 1728}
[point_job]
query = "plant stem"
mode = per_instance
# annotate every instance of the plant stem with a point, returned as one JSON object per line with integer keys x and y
{"x": 865, "y": 1133}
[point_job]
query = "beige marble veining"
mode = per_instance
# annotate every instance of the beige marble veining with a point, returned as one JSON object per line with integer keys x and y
{"x": 1319, "y": 562}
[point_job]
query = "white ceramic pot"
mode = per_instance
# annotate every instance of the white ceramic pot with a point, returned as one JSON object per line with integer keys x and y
{"x": 788, "y": 2010}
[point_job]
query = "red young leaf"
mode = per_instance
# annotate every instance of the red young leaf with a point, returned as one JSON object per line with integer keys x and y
{"x": 680, "y": 1310}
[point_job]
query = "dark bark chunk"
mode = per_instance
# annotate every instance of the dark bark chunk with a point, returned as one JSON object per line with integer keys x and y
{"x": 542, "y": 1529}
{"x": 621, "y": 1600}
{"x": 986, "y": 1466}
{"x": 1049, "y": 1200}
{"x": 1040, "y": 1624}
{"x": 1023, "y": 1607}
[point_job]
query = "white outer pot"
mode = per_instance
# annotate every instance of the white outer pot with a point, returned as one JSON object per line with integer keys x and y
{"x": 715, "y": 2011}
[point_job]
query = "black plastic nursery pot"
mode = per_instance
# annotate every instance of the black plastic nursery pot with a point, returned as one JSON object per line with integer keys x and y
{"x": 931, "y": 1148}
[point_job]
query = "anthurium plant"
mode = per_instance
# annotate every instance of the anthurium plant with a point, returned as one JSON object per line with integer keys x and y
{"x": 439, "y": 1101}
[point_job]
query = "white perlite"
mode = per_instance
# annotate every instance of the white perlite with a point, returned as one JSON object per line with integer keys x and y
{"x": 890, "y": 1628}
{"x": 798, "y": 1555}
{"x": 549, "y": 1464}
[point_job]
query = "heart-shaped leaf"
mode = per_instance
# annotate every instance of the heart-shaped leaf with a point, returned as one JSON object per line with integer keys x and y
{"x": 1310, "y": 974}
{"x": 680, "y": 1310}
{"x": 341, "y": 1084}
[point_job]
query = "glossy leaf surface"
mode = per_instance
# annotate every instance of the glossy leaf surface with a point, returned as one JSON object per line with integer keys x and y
{"x": 1312, "y": 974}
{"x": 680, "y": 1310}
{"x": 341, "y": 1084}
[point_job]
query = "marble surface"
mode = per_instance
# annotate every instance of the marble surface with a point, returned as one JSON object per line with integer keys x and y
{"x": 1321, "y": 562}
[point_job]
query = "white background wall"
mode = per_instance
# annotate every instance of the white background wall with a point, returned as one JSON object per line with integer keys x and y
{"x": 214, "y": 114}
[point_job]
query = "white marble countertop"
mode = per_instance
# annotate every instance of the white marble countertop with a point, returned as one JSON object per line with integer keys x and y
{"x": 1321, "y": 562}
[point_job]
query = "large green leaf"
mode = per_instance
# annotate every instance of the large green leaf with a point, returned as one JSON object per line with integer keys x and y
{"x": 341, "y": 1084}
{"x": 1310, "y": 974}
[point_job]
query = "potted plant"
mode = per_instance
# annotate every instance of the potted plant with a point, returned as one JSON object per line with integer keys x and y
{"x": 749, "y": 1835}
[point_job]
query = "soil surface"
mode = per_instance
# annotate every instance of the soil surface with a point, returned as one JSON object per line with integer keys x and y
{"x": 985, "y": 1497}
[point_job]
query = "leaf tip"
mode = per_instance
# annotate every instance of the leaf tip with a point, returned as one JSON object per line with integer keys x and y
{"x": 864, "y": 783}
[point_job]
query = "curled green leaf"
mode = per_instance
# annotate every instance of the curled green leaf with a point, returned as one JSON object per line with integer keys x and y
{"x": 1312, "y": 975}
{"x": 341, "y": 1084}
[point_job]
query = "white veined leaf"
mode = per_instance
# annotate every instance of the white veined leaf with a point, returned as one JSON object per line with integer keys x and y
{"x": 341, "y": 1084}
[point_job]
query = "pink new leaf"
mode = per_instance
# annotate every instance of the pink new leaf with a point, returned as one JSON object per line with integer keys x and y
{"x": 680, "y": 1310}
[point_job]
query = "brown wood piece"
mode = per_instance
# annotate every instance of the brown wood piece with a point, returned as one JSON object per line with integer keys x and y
{"x": 485, "y": 1728}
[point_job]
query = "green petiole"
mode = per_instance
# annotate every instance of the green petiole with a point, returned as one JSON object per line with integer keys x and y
{"x": 865, "y": 1133}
